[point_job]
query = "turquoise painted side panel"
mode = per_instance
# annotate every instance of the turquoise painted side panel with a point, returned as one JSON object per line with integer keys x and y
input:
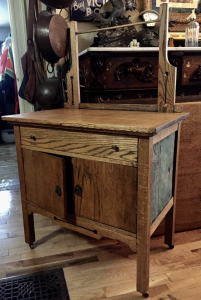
{"x": 162, "y": 175}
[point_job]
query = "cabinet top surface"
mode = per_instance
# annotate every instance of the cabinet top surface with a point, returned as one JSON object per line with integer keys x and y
{"x": 129, "y": 122}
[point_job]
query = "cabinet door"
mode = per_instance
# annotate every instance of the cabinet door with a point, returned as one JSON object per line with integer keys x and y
{"x": 108, "y": 193}
{"x": 45, "y": 180}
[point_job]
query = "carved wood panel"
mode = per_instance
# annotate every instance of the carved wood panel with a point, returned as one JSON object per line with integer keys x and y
{"x": 191, "y": 70}
{"x": 119, "y": 72}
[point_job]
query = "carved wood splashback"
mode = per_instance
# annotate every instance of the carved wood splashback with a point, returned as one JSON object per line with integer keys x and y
{"x": 119, "y": 77}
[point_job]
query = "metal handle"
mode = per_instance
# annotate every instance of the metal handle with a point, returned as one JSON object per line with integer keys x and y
{"x": 32, "y": 137}
{"x": 78, "y": 190}
{"x": 115, "y": 148}
{"x": 58, "y": 191}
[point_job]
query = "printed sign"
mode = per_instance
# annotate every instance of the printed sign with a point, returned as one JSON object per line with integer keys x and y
{"x": 84, "y": 8}
{"x": 179, "y": 3}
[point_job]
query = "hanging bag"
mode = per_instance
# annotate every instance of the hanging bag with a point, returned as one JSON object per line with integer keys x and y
{"x": 28, "y": 86}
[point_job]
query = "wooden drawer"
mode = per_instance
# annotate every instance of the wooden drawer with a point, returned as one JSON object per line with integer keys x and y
{"x": 76, "y": 144}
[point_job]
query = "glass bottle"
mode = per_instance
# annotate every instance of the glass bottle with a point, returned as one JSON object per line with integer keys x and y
{"x": 192, "y": 32}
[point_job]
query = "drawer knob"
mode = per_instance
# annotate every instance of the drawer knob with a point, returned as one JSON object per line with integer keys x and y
{"x": 78, "y": 190}
{"x": 115, "y": 148}
{"x": 32, "y": 137}
{"x": 58, "y": 190}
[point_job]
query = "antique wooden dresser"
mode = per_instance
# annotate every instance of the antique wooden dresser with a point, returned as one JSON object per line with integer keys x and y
{"x": 104, "y": 173}
{"x": 101, "y": 173}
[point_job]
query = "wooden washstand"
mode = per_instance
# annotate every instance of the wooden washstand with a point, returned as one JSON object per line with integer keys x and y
{"x": 104, "y": 173}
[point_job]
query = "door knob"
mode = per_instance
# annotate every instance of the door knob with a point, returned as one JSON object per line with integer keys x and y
{"x": 115, "y": 148}
{"x": 32, "y": 137}
{"x": 78, "y": 190}
{"x": 58, "y": 191}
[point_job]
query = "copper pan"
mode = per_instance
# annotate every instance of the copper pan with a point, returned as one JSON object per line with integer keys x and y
{"x": 51, "y": 36}
{"x": 58, "y": 3}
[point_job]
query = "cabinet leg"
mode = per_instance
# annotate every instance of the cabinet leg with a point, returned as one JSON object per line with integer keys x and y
{"x": 170, "y": 227}
{"x": 29, "y": 231}
{"x": 143, "y": 269}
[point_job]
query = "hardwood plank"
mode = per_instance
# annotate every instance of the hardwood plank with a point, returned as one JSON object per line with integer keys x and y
{"x": 171, "y": 215}
{"x": 73, "y": 94}
{"x": 166, "y": 84}
{"x": 164, "y": 133}
{"x": 96, "y": 294}
{"x": 144, "y": 213}
{"x": 70, "y": 143}
{"x": 101, "y": 229}
{"x": 41, "y": 189}
{"x": 127, "y": 122}
{"x": 106, "y": 205}
{"x": 128, "y": 107}
{"x": 27, "y": 218}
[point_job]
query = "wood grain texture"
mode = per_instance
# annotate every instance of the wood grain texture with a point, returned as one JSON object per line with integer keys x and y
{"x": 101, "y": 229}
{"x": 43, "y": 173}
{"x": 73, "y": 99}
{"x": 109, "y": 193}
{"x": 87, "y": 144}
{"x": 144, "y": 213}
{"x": 164, "y": 133}
{"x": 126, "y": 122}
{"x": 170, "y": 217}
{"x": 161, "y": 216}
{"x": 130, "y": 107}
{"x": 27, "y": 218}
{"x": 167, "y": 104}
{"x": 34, "y": 208}
{"x": 189, "y": 171}
{"x": 162, "y": 175}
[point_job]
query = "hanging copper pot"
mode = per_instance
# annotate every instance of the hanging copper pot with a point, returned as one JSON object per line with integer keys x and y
{"x": 58, "y": 3}
{"x": 51, "y": 36}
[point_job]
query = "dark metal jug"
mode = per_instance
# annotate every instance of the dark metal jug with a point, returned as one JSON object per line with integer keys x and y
{"x": 48, "y": 94}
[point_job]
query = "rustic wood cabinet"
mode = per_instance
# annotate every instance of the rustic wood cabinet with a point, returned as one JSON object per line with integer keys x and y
{"x": 101, "y": 173}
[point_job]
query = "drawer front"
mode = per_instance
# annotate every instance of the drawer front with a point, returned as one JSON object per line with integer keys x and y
{"x": 76, "y": 144}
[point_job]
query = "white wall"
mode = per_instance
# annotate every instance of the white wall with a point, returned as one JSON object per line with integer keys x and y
{"x": 4, "y": 31}
{"x": 17, "y": 13}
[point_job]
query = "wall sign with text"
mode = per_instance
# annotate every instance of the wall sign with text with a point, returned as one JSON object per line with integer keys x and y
{"x": 83, "y": 8}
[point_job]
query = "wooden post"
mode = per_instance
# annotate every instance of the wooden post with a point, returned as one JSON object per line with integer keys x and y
{"x": 170, "y": 217}
{"x": 27, "y": 218}
{"x": 73, "y": 77}
{"x": 167, "y": 74}
{"x": 144, "y": 213}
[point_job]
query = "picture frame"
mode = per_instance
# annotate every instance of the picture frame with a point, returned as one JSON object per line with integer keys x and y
{"x": 179, "y": 14}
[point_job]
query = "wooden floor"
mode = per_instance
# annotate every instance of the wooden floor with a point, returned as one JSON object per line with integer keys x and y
{"x": 104, "y": 269}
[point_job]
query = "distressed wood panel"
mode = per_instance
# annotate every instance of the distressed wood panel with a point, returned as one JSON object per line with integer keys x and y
{"x": 109, "y": 193}
{"x": 43, "y": 173}
{"x": 162, "y": 175}
{"x": 98, "y": 145}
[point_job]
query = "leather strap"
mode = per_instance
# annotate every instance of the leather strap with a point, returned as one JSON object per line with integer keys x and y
{"x": 30, "y": 27}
